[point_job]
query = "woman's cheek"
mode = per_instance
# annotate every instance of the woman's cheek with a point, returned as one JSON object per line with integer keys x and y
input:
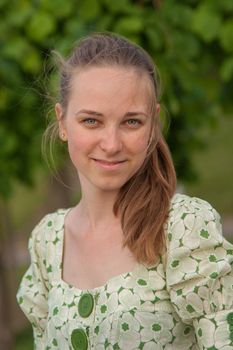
{"x": 77, "y": 141}
{"x": 141, "y": 143}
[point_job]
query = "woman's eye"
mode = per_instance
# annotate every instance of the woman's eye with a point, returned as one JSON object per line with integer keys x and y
{"x": 133, "y": 122}
{"x": 90, "y": 122}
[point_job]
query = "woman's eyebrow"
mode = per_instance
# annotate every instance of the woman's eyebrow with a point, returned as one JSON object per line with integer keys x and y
{"x": 128, "y": 114}
{"x": 134, "y": 114}
{"x": 88, "y": 111}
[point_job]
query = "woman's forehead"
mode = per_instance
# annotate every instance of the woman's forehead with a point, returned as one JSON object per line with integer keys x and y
{"x": 109, "y": 85}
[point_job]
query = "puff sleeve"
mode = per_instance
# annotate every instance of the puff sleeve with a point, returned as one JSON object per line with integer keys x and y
{"x": 33, "y": 290}
{"x": 199, "y": 272}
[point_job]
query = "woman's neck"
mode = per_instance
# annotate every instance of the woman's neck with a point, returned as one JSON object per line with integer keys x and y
{"x": 96, "y": 208}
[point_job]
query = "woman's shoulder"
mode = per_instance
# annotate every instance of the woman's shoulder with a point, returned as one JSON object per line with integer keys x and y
{"x": 184, "y": 199}
{"x": 51, "y": 222}
{"x": 189, "y": 214}
{"x": 182, "y": 205}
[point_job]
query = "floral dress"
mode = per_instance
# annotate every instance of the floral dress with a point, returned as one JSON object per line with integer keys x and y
{"x": 184, "y": 301}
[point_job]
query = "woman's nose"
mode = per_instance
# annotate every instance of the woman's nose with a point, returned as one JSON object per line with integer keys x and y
{"x": 111, "y": 142}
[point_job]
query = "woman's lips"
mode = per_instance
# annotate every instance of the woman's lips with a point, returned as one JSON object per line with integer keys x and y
{"x": 109, "y": 164}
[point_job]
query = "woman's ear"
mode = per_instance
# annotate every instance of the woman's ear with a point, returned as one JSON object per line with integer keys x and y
{"x": 158, "y": 108}
{"x": 61, "y": 122}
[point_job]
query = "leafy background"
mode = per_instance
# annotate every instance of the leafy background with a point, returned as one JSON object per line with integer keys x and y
{"x": 192, "y": 45}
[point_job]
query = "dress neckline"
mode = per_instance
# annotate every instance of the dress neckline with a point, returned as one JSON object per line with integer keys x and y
{"x": 90, "y": 290}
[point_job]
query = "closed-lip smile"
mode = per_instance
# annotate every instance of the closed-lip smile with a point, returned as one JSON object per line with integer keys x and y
{"x": 109, "y": 165}
{"x": 108, "y": 162}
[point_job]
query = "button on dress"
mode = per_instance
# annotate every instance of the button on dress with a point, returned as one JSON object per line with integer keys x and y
{"x": 184, "y": 301}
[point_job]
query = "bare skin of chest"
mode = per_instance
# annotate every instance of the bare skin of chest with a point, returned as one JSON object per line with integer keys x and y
{"x": 90, "y": 260}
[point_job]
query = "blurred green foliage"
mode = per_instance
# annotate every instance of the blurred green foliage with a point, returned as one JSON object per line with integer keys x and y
{"x": 191, "y": 42}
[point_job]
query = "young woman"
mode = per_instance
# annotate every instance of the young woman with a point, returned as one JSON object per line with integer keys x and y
{"x": 132, "y": 265}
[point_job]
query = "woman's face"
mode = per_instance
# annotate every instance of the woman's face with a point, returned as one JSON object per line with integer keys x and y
{"x": 107, "y": 125}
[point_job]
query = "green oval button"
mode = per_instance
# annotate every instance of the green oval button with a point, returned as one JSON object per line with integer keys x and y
{"x": 230, "y": 318}
{"x": 85, "y": 305}
{"x": 79, "y": 339}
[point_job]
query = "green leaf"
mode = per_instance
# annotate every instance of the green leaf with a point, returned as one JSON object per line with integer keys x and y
{"x": 23, "y": 53}
{"x": 3, "y": 3}
{"x": 19, "y": 14}
{"x": 226, "y": 5}
{"x": 206, "y": 23}
{"x": 155, "y": 38}
{"x": 127, "y": 25}
{"x": 119, "y": 6}
{"x": 58, "y": 8}
{"x": 40, "y": 26}
{"x": 74, "y": 30}
{"x": 105, "y": 22}
{"x": 188, "y": 41}
{"x": 11, "y": 74}
{"x": 176, "y": 14}
{"x": 16, "y": 48}
{"x": 32, "y": 61}
{"x": 174, "y": 102}
{"x": 88, "y": 9}
{"x": 4, "y": 98}
{"x": 226, "y": 70}
{"x": 226, "y": 35}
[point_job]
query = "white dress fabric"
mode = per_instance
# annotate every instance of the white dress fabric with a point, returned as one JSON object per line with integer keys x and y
{"x": 185, "y": 301}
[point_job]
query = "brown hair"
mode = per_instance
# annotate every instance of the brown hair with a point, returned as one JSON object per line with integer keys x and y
{"x": 143, "y": 202}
